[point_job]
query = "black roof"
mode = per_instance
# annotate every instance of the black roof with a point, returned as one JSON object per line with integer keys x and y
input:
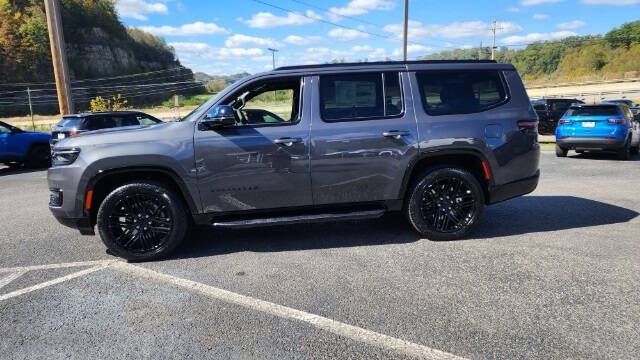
{"x": 315, "y": 66}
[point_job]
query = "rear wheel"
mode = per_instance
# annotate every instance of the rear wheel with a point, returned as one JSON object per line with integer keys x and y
{"x": 445, "y": 203}
{"x": 635, "y": 150}
{"x": 39, "y": 156}
{"x": 142, "y": 221}
{"x": 561, "y": 152}
{"x": 625, "y": 152}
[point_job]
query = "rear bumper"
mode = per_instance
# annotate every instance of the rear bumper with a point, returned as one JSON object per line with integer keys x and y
{"x": 517, "y": 188}
{"x": 590, "y": 143}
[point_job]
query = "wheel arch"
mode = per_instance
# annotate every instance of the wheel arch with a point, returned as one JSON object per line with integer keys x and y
{"x": 105, "y": 182}
{"x": 472, "y": 161}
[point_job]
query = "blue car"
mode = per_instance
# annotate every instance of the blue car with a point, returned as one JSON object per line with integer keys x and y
{"x": 603, "y": 127}
{"x": 19, "y": 147}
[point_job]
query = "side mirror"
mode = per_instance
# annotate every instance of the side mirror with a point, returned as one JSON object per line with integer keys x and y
{"x": 220, "y": 116}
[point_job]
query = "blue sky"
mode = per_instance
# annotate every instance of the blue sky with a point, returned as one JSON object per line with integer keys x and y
{"x": 230, "y": 36}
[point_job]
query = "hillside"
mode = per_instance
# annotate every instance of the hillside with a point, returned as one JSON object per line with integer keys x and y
{"x": 98, "y": 45}
{"x": 595, "y": 57}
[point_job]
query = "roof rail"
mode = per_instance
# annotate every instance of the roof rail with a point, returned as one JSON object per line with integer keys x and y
{"x": 314, "y": 66}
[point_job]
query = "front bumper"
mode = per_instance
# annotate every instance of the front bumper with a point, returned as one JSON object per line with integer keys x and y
{"x": 498, "y": 193}
{"x": 590, "y": 143}
{"x": 81, "y": 224}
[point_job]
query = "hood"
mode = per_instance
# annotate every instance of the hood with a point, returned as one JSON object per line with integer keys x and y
{"x": 37, "y": 135}
{"x": 128, "y": 134}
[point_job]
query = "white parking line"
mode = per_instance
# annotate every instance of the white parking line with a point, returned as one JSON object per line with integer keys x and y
{"x": 9, "y": 278}
{"x": 74, "y": 275}
{"x": 333, "y": 326}
{"x": 54, "y": 266}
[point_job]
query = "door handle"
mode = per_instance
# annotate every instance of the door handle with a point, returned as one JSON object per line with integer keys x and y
{"x": 396, "y": 134}
{"x": 287, "y": 141}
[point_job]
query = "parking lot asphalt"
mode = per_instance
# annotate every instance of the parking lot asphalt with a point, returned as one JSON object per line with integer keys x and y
{"x": 555, "y": 274}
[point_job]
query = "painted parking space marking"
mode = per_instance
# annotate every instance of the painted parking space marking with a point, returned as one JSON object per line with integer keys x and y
{"x": 54, "y": 281}
{"x": 9, "y": 278}
{"x": 54, "y": 266}
{"x": 326, "y": 324}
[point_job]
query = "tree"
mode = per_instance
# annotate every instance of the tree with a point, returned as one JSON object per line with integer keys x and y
{"x": 216, "y": 85}
{"x": 116, "y": 103}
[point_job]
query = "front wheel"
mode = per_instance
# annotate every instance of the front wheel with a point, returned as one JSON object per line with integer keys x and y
{"x": 39, "y": 156}
{"x": 445, "y": 203}
{"x": 142, "y": 221}
{"x": 625, "y": 152}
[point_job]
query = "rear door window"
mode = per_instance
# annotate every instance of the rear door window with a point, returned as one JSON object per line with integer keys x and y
{"x": 460, "y": 92}
{"x": 70, "y": 122}
{"x": 360, "y": 96}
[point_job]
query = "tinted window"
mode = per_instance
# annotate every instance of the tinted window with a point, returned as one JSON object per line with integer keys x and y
{"x": 147, "y": 120}
{"x": 99, "y": 122}
{"x": 350, "y": 97}
{"x": 70, "y": 122}
{"x": 4, "y": 129}
{"x": 593, "y": 111}
{"x": 392, "y": 94}
{"x": 460, "y": 92}
{"x": 541, "y": 107}
{"x": 560, "y": 106}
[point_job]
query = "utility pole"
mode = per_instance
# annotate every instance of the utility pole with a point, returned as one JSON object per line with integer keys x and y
{"x": 405, "y": 30}
{"x": 480, "y": 51}
{"x": 31, "y": 109}
{"x": 493, "y": 29}
{"x": 59, "y": 56}
{"x": 273, "y": 56}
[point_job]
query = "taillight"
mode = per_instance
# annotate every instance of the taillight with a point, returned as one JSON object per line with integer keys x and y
{"x": 617, "y": 121}
{"x": 528, "y": 124}
{"x": 564, "y": 121}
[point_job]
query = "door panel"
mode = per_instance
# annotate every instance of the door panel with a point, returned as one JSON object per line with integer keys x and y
{"x": 250, "y": 167}
{"x": 361, "y": 160}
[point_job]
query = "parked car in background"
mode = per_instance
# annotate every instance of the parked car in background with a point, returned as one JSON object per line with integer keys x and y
{"x": 635, "y": 108}
{"x": 437, "y": 140}
{"x": 550, "y": 111}
{"x": 72, "y": 125}
{"x": 19, "y": 147}
{"x": 603, "y": 127}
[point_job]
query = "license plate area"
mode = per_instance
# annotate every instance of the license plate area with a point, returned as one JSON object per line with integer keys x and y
{"x": 588, "y": 124}
{"x": 61, "y": 136}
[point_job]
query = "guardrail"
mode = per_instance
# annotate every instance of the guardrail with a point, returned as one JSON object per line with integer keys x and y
{"x": 591, "y": 82}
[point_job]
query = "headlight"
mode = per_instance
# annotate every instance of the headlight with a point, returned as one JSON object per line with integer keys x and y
{"x": 64, "y": 156}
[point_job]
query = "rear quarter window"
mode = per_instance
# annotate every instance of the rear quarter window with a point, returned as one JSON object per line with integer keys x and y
{"x": 461, "y": 92}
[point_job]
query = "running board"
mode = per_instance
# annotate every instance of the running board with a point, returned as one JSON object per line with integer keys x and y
{"x": 287, "y": 220}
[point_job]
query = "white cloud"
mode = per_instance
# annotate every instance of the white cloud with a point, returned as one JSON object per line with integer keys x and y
{"x": 538, "y": 2}
{"x": 302, "y": 40}
{"x": 265, "y": 20}
{"x": 378, "y": 54}
{"x": 196, "y": 28}
{"x": 359, "y": 7}
{"x": 513, "y": 9}
{"x": 413, "y": 49}
{"x": 347, "y": 34}
{"x": 238, "y": 40}
{"x": 535, "y": 37}
{"x": 540, "y": 16}
{"x": 138, "y": 9}
{"x": 571, "y": 25}
{"x": 361, "y": 48}
{"x": 191, "y": 50}
{"x": 456, "y": 30}
{"x": 611, "y": 2}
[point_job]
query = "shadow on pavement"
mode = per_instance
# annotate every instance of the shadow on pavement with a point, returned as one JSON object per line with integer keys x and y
{"x": 529, "y": 214}
{"x": 4, "y": 171}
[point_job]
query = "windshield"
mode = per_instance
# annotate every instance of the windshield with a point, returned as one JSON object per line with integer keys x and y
{"x": 594, "y": 111}
{"x": 70, "y": 122}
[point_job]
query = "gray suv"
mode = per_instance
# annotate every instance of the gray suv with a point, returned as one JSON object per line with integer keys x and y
{"x": 437, "y": 140}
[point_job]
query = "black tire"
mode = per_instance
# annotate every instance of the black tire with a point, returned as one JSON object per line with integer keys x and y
{"x": 635, "y": 150}
{"x": 142, "y": 221}
{"x": 560, "y": 152}
{"x": 445, "y": 203}
{"x": 625, "y": 152}
{"x": 39, "y": 157}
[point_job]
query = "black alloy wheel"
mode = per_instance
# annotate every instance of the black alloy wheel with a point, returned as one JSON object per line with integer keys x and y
{"x": 142, "y": 221}
{"x": 445, "y": 204}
